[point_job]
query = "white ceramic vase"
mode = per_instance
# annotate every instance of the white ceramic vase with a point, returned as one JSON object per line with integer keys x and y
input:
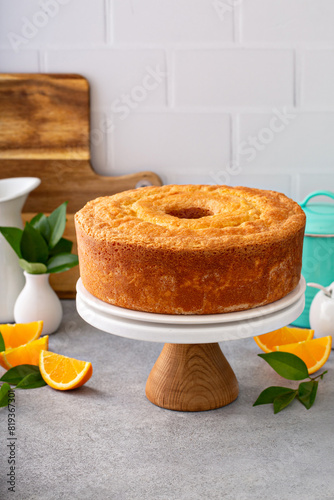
{"x": 13, "y": 194}
{"x": 38, "y": 301}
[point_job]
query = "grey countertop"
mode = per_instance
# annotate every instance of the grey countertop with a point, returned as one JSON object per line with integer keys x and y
{"x": 106, "y": 440}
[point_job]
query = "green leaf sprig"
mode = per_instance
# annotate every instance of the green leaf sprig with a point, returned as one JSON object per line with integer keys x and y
{"x": 290, "y": 367}
{"x": 2, "y": 343}
{"x": 4, "y": 390}
{"x": 40, "y": 246}
{"x": 21, "y": 376}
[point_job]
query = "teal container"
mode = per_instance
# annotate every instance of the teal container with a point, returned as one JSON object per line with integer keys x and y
{"x": 318, "y": 252}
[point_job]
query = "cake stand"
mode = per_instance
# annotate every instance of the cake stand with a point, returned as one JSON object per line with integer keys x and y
{"x": 191, "y": 373}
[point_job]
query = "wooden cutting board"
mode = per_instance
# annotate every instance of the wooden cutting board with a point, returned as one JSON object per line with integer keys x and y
{"x": 44, "y": 132}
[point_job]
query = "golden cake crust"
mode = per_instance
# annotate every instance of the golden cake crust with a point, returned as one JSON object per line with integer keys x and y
{"x": 191, "y": 249}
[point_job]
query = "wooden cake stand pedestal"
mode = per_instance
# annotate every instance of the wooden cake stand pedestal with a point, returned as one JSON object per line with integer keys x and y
{"x": 191, "y": 373}
{"x": 192, "y": 377}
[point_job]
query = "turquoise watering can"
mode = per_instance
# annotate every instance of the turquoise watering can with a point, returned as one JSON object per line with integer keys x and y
{"x": 318, "y": 252}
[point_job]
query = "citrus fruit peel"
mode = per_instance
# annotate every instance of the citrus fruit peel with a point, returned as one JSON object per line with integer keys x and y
{"x": 63, "y": 373}
{"x": 27, "y": 354}
{"x": 21, "y": 333}
{"x": 285, "y": 335}
{"x": 314, "y": 352}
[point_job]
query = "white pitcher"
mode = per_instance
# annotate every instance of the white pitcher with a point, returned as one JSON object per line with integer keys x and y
{"x": 13, "y": 194}
{"x": 322, "y": 310}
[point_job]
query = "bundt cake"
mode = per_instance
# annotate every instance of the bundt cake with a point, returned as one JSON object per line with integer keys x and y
{"x": 190, "y": 249}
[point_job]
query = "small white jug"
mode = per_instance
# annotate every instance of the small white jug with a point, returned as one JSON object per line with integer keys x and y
{"x": 322, "y": 311}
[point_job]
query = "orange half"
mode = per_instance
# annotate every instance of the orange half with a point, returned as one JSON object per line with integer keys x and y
{"x": 313, "y": 352}
{"x": 25, "y": 354}
{"x": 63, "y": 373}
{"x": 21, "y": 333}
{"x": 286, "y": 335}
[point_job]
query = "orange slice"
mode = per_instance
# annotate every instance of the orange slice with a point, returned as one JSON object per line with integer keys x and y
{"x": 313, "y": 352}
{"x": 25, "y": 354}
{"x": 21, "y": 333}
{"x": 63, "y": 373}
{"x": 286, "y": 335}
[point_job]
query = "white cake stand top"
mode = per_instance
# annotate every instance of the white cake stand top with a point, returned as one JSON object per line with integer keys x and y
{"x": 192, "y": 329}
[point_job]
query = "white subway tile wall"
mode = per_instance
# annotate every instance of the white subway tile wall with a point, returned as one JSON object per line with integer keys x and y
{"x": 287, "y": 21}
{"x": 318, "y": 77}
{"x": 47, "y": 23}
{"x": 25, "y": 61}
{"x": 116, "y": 74}
{"x": 172, "y": 143}
{"x": 315, "y": 182}
{"x": 234, "y": 77}
{"x": 99, "y": 134}
{"x": 199, "y": 91}
{"x": 169, "y": 22}
{"x": 287, "y": 141}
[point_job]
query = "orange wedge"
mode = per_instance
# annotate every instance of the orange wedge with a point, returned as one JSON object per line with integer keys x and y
{"x": 313, "y": 352}
{"x": 21, "y": 333}
{"x": 282, "y": 336}
{"x": 63, "y": 373}
{"x": 25, "y": 354}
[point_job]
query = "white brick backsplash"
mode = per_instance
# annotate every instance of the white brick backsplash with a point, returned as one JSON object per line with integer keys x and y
{"x": 172, "y": 21}
{"x": 318, "y": 87}
{"x": 115, "y": 75}
{"x": 181, "y": 87}
{"x": 98, "y": 142}
{"x": 308, "y": 183}
{"x": 184, "y": 178}
{"x": 21, "y": 62}
{"x": 49, "y": 22}
{"x": 304, "y": 143}
{"x": 233, "y": 77}
{"x": 182, "y": 143}
{"x": 275, "y": 182}
{"x": 288, "y": 21}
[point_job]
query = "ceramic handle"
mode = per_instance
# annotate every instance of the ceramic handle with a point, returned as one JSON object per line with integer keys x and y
{"x": 317, "y": 193}
{"x": 327, "y": 292}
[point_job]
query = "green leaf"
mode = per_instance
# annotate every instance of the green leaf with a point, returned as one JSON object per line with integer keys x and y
{"x": 62, "y": 262}
{"x": 17, "y": 373}
{"x": 33, "y": 246}
{"x": 283, "y": 401}
{"x": 35, "y": 220}
{"x": 4, "y": 390}
{"x": 13, "y": 236}
{"x": 63, "y": 246}
{"x": 33, "y": 267}
{"x": 268, "y": 395}
{"x": 31, "y": 381}
{"x": 57, "y": 221}
{"x": 307, "y": 392}
{"x": 41, "y": 224}
{"x": 286, "y": 364}
{"x": 2, "y": 344}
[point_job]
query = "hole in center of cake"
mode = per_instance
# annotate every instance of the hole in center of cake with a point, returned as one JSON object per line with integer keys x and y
{"x": 190, "y": 213}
